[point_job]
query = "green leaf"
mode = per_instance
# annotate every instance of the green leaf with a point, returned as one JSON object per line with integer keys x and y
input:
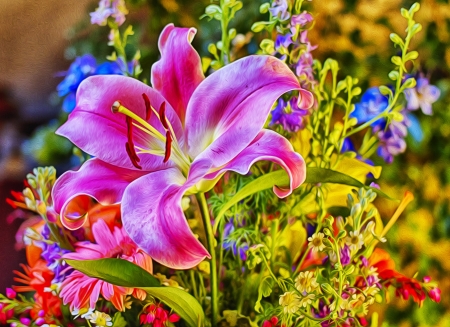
{"x": 124, "y": 273}
{"x": 184, "y": 304}
{"x": 264, "y": 290}
{"x": 118, "y": 320}
{"x": 115, "y": 271}
{"x": 264, "y": 182}
{"x": 280, "y": 178}
{"x": 323, "y": 175}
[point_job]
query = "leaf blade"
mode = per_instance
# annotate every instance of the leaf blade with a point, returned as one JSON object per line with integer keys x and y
{"x": 115, "y": 271}
{"x": 184, "y": 304}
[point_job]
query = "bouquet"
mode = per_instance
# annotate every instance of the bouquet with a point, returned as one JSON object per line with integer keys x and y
{"x": 234, "y": 189}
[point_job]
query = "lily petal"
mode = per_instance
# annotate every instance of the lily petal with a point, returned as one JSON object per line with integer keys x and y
{"x": 234, "y": 104}
{"x": 97, "y": 179}
{"x": 93, "y": 119}
{"x": 270, "y": 146}
{"x": 153, "y": 218}
{"x": 179, "y": 71}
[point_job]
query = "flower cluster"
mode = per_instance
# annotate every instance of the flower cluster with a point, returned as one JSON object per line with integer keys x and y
{"x": 247, "y": 226}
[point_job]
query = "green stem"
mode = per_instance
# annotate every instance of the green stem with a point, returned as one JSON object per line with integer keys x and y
{"x": 210, "y": 240}
{"x": 193, "y": 283}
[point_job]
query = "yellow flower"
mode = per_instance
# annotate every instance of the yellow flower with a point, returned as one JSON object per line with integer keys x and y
{"x": 307, "y": 300}
{"x": 290, "y": 301}
{"x": 306, "y": 282}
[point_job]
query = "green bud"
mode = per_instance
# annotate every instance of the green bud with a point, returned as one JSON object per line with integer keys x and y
{"x": 396, "y": 39}
{"x": 385, "y": 90}
{"x": 264, "y": 8}
{"x": 396, "y": 60}
{"x": 393, "y": 75}
{"x": 212, "y": 49}
{"x": 416, "y": 28}
{"x": 411, "y": 55}
{"x": 352, "y": 122}
{"x": 409, "y": 83}
{"x": 232, "y": 33}
{"x": 342, "y": 234}
{"x": 258, "y": 26}
{"x": 213, "y": 11}
{"x": 356, "y": 91}
{"x": 405, "y": 13}
{"x": 414, "y": 8}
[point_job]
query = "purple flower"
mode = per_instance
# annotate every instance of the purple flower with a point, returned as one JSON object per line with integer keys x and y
{"x": 53, "y": 254}
{"x": 280, "y": 9}
{"x": 289, "y": 115}
{"x": 300, "y": 20}
{"x": 422, "y": 96}
{"x": 283, "y": 41}
{"x": 345, "y": 255}
{"x": 392, "y": 140}
{"x": 236, "y": 246}
{"x": 109, "y": 8}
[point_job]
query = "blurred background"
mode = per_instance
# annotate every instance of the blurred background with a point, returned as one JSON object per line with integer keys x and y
{"x": 40, "y": 39}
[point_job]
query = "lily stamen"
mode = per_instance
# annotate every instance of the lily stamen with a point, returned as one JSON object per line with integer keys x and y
{"x": 148, "y": 107}
{"x": 168, "y": 146}
{"x": 133, "y": 156}
{"x": 169, "y": 139}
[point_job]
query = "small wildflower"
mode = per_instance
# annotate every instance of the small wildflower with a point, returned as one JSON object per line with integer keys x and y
{"x": 422, "y": 96}
{"x": 345, "y": 255}
{"x": 270, "y": 323}
{"x": 83, "y": 313}
{"x": 109, "y": 8}
{"x": 290, "y": 302}
{"x": 100, "y": 319}
{"x": 371, "y": 105}
{"x": 392, "y": 140}
{"x": 289, "y": 115}
{"x": 308, "y": 299}
{"x": 355, "y": 241}
{"x": 306, "y": 282}
{"x": 10, "y": 293}
{"x": 316, "y": 242}
{"x": 435, "y": 294}
{"x": 280, "y": 9}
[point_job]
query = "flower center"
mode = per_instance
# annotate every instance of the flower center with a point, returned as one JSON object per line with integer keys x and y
{"x": 317, "y": 242}
{"x": 169, "y": 139}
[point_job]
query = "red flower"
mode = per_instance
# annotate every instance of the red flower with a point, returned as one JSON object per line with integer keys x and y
{"x": 405, "y": 286}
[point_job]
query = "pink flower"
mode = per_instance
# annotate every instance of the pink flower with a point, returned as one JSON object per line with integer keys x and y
{"x": 82, "y": 291}
{"x": 147, "y": 159}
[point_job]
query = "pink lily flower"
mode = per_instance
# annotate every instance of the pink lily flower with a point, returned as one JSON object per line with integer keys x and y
{"x": 147, "y": 159}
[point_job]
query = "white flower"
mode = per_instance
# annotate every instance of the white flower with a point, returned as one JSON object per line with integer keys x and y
{"x": 355, "y": 241}
{"x": 83, "y": 313}
{"x": 316, "y": 242}
{"x": 100, "y": 319}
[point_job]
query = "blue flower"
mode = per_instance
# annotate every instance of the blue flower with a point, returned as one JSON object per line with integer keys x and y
{"x": 371, "y": 105}
{"x": 79, "y": 70}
